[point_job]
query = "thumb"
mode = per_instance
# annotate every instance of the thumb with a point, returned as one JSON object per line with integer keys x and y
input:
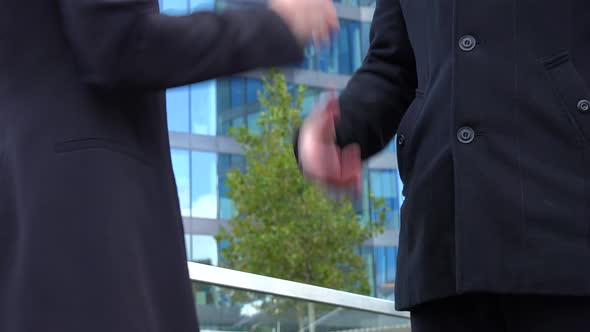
{"x": 328, "y": 117}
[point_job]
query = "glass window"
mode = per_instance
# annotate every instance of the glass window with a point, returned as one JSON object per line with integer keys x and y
{"x": 252, "y": 120}
{"x": 383, "y": 184}
{"x": 177, "y": 109}
{"x": 187, "y": 244}
{"x": 367, "y": 253}
{"x": 367, "y": 3}
{"x": 385, "y": 262}
{"x": 237, "y": 100}
{"x": 380, "y": 262}
{"x": 237, "y": 92}
{"x": 400, "y": 188}
{"x": 252, "y": 88}
{"x": 203, "y": 97}
{"x": 310, "y": 98}
{"x": 223, "y": 95}
{"x": 310, "y": 58}
{"x": 220, "y": 246}
{"x": 204, "y": 185}
{"x": 174, "y": 7}
{"x": 325, "y": 62}
{"x": 204, "y": 250}
{"x": 227, "y": 163}
{"x": 391, "y": 147}
{"x": 180, "y": 166}
{"x": 202, "y": 5}
{"x": 348, "y": 2}
{"x": 227, "y": 116}
{"x": 344, "y": 53}
{"x": 366, "y": 38}
{"x": 354, "y": 38}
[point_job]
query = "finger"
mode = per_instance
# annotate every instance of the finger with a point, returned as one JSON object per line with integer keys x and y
{"x": 319, "y": 125}
{"x": 315, "y": 38}
{"x": 332, "y": 17}
{"x": 323, "y": 30}
{"x": 333, "y": 106}
{"x": 351, "y": 163}
{"x": 341, "y": 185}
{"x": 326, "y": 128}
{"x": 322, "y": 163}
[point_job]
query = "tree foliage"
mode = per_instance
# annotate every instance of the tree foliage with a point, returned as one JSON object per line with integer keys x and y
{"x": 286, "y": 227}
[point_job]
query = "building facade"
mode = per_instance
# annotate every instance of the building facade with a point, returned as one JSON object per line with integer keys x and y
{"x": 200, "y": 116}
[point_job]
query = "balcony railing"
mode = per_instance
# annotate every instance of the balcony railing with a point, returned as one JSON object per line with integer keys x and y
{"x": 229, "y": 300}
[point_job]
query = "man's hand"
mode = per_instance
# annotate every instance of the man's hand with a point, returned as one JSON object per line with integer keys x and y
{"x": 319, "y": 156}
{"x": 308, "y": 19}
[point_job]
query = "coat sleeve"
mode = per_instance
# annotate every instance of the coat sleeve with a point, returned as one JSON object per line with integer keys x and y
{"x": 129, "y": 43}
{"x": 378, "y": 94}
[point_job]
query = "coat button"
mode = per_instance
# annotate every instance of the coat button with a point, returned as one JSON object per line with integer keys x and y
{"x": 467, "y": 43}
{"x": 401, "y": 140}
{"x": 465, "y": 135}
{"x": 584, "y": 105}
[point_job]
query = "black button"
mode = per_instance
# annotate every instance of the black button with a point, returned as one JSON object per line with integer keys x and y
{"x": 467, "y": 43}
{"x": 401, "y": 140}
{"x": 584, "y": 105}
{"x": 465, "y": 135}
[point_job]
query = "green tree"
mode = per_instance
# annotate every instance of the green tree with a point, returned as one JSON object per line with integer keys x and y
{"x": 286, "y": 227}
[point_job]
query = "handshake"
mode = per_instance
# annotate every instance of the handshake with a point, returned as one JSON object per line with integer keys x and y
{"x": 321, "y": 160}
{"x": 313, "y": 20}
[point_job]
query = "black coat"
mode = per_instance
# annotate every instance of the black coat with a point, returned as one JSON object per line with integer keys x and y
{"x": 490, "y": 103}
{"x": 91, "y": 236}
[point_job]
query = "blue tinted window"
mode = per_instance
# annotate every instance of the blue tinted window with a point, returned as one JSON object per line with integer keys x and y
{"x": 237, "y": 92}
{"x": 204, "y": 250}
{"x": 311, "y": 97}
{"x": 344, "y": 49}
{"x": 310, "y": 58}
{"x": 227, "y": 163}
{"x": 252, "y": 88}
{"x": 364, "y": 3}
{"x": 227, "y": 115}
{"x": 367, "y": 253}
{"x": 366, "y": 41}
{"x": 203, "y": 97}
{"x": 325, "y": 62}
{"x": 180, "y": 166}
{"x": 202, "y": 5}
{"x": 385, "y": 259}
{"x": 220, "y": 246}
{"x": 174, "y": 7}
{"x": 204, "y": 184}
{"x": 238, "y": 103}
{"x": 223, "y": 95}
{"x": 343, "y": 55}
{"x": 187, "y": 244}
{"x": 354, "y": 39}
{"x": 251, "y": 122}
{"x": 383, "y": 184}
{"x": 367, "y": 3}
{"x": 400, "y": 189}
{"x": 391, "y": 147}
{"x": 177, "y": 109}
{"x": 348, "y": 2}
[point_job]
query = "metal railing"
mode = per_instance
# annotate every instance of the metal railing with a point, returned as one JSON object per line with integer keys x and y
{"x": 261, "y": 284}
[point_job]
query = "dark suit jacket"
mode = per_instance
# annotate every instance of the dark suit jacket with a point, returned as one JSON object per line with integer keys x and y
{"x": 489, "y": 100}
{"x": 91, "y": 236}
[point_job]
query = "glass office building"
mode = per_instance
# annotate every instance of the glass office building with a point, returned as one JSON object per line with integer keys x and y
{"x": 200, "y": 116}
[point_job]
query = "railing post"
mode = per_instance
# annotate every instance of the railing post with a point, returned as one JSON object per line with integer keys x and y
{"x": 311, "y": 316}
